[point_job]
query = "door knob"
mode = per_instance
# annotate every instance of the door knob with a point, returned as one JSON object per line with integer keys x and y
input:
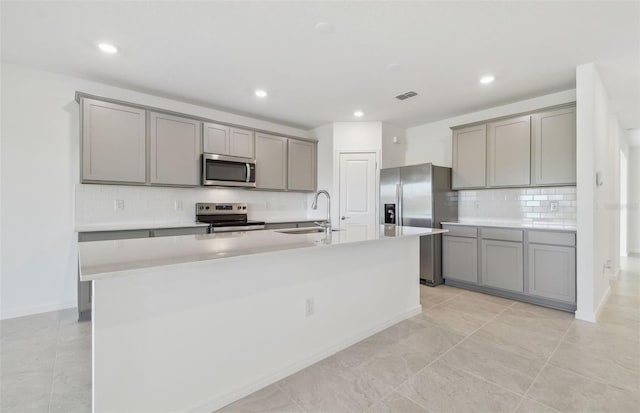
{"x": 343, "y": 217}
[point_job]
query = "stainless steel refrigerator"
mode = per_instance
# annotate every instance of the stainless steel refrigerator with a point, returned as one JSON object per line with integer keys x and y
{"x": 420, "y": 196}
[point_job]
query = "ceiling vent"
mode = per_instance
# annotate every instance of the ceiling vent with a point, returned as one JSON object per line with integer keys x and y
{"x": 406, "y": 95}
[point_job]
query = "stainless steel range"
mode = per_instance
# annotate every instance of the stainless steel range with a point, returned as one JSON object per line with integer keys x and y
{"x": 226, "y": 217}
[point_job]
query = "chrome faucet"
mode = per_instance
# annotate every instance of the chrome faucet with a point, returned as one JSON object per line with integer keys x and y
{"x": 327, "y": 224}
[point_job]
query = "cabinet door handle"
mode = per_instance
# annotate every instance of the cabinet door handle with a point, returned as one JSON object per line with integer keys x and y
{"x": 343, "y": 217}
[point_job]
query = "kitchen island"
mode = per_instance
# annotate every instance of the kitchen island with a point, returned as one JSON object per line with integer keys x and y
{"x": 194, "y": 322}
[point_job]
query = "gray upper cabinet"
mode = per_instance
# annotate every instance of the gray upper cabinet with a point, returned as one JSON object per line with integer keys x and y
{"x": 554, "y": 147}
{"x": 469, "y": 157}
{"x": 113, "y": 142}
{"x": 502, "y": 265}
{"x": 174, "y": 149}
{"x": 241, "y": 143}
{"x": 460, "y": 259}
{"x": 127, "y": 143}
{"x": 225, "y": 140}
{"x": 271, "y": 162}
{"x": 552, "y": 272}
{"x": 215, "y": 138}
{"x": 509, "y": 152}
{"x": 302, "y": 165}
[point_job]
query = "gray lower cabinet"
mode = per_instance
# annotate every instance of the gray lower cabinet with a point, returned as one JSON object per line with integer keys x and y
{"x": 502, "y": 265}
{"x": 172, "y": 232}
{"x": 460, "y": 258}
{"x": 535, "y": 266}
{"x": 271, "y": 162}
{"x": 174, "y": 149}
{"x": 552, "y": 272}
{"x": 509, "y": 152}
{"x": 553, "y": 135}
{"x": 113, "y": 142}
{"x": 301, "y": 166}
{"x": 469, "y": 157}
{"x": 112, "y": 235}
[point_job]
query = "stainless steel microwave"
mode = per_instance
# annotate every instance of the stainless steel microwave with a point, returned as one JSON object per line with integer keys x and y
{"x": 223, "y": 170}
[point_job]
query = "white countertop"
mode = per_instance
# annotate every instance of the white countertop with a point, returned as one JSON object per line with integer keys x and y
{"x": 134, "y": 226}
{"x": 106, "y": 259}
{"x": 515, "y": 224}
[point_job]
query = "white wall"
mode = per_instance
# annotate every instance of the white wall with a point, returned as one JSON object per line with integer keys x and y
{"x": 40, "y": 163}
{"x": 393, "y": 153}
{"x": 324, "y": 135}
{"x": 431, "y": 142}
{"x": 357, "y": 135}
{"x": 598, "y": 138}
{"x": 633, "y": 209}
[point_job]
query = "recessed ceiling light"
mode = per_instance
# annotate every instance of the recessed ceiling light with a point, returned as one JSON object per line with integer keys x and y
{"x": 485, "y": 80}
{"x": 261, "y": 93}
{"x": 324, "y": 27}
{"x": 107, "y": 48}
{"x": 358, "y": 114}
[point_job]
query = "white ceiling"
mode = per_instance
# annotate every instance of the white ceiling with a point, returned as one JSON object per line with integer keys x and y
{"x": 217, "y": 53}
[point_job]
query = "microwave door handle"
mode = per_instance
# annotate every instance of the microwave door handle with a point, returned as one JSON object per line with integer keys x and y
{"x": 248, "y": 172}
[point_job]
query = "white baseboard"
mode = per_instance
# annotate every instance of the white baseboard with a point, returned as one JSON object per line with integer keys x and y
{"x": 585, "y": 316}
{"x": 295, "y": 367}
{"x": 602, "y": 302}
{"x": 35, "y": 309}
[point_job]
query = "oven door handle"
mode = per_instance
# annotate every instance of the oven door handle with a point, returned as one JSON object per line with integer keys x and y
{"x": 248, "y": 172}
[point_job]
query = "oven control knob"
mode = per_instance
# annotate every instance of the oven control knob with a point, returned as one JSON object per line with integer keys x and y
{"x": 244, "y": 207}
{"x": 207, "y": 207}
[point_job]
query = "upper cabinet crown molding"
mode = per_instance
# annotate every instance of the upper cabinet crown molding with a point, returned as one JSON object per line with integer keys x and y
{"x": 534, "y": 149}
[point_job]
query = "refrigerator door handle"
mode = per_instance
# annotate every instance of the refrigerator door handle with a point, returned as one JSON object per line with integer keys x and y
{"x": 399, "y": 203}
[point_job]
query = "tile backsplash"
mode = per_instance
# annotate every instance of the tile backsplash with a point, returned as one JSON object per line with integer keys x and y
{"x": 555, "y": 205}
{"x": 118, "y": 204}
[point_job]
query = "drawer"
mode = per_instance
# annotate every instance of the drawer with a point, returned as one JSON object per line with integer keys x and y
{"x": 460, "y": 231}
{"x": 554, "y": 238}
{"x": 502, "y": 234}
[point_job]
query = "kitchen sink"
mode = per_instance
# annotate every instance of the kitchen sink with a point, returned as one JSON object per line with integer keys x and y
{"x": 305, "y": 231}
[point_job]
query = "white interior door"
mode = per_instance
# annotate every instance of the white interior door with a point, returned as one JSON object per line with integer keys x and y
{"x": 358, "y": 190}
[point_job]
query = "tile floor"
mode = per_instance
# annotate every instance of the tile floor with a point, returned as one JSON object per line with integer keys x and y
{"x": 466, "y": 352}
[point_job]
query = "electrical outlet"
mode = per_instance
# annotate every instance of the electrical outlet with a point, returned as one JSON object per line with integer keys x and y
{"x": 119, "y": 204}
{"x": 553, "y": 206}
{"x": 177, "y": 205}
{"x": 309, "y": 307}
